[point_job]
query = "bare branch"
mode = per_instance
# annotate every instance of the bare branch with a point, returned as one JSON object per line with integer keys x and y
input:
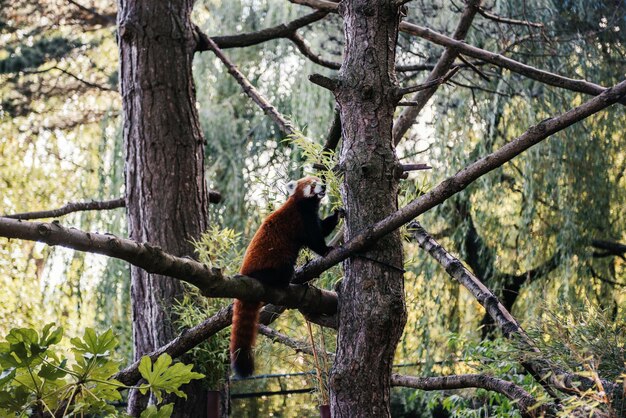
{"x": 284, "y": 30}
{"x": 285, "y": 125}
{"x": 444, "y": 64}
{"x": 327, "y": 6}
{"x": 581, "y": 86}
{"x": 85, "y": 82}
{"x": 154, "y": 260}
{"x": 546, "y": 77}
{"x": 610, "y": 248}
{"x": 334, "y": 133}
{"x": 526, "y": 402}
{"x": 427, "y": 84}
{"x": 461, "y": 180}
{"x": 299, "y": 42}
{"x": 544, "y": 372}
{"x": 105, "y": 20}
{"x": 70, "y": 208}
{"x": 323, "y": 81}
{"x": 507, "y": 20}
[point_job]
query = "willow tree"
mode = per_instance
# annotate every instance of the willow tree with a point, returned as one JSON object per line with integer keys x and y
{"x": 167, "y": 199}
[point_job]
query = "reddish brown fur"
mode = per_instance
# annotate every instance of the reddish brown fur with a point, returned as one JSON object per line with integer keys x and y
{"x": 273, "y": 248}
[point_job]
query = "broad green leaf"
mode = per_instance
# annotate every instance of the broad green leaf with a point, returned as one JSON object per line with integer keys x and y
{"x": 50, "y": 338}
{"x": 162, "y": 377}
{"x": 50, "y": 372}
{"x": 152, "y": 412}
{"x": 94, "y": 344}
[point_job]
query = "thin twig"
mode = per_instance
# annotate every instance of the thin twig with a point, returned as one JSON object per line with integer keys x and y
{"x": 508, "y": 20}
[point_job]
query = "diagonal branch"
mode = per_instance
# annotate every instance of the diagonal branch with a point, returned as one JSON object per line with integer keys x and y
{"x": 444, "y": 64}
{"x": 461, "y": 180}
{"x": 546, "y": 77}
{"x": 540, "y": 369}
{"x": 299, "y": 42}
{"x": 285, "y": 125}
{"x": 507, "y": 20}
{"x": 154, "y": 260}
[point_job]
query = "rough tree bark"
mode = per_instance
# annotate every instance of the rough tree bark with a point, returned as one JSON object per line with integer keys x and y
{"x": 372, "y": 312}
{"x": 165, "y": 186}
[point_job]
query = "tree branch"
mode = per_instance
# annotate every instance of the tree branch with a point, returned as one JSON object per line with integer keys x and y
{"x": 610, "y": 248}
{"x": 284, "y": 124}
{"x": 154, "y": 260}
{"x": 299, "y": 42}
{"x": 540, "y": 369}
{"x": 461, "y": 180}
{"x": 444, "y": 64}
{"x": 507, "y": 20}
{"x": 284, "y": 30}
{"x": 546, "y": 77}
{"x": 70, "y": 208}
{"x": 526, "y": 402}
{"x": 191, "y": 337}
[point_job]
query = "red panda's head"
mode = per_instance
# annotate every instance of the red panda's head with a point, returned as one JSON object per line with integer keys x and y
{"x": 307, "y": 188}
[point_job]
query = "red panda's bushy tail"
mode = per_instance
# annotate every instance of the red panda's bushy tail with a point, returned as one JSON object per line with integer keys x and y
{"x": 243, "y": 335}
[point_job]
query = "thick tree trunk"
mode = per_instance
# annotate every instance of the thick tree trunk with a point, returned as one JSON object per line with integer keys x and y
{"x": 166, "y": 193}
{"x": 372, "y": 313}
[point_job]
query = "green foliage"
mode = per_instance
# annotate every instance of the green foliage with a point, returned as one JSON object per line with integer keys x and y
{"x": 211, "y": 356}
{"x": 153, "y": 411}
{"x": 162, "y": 376}
{"x": 221, "y": 248}
{"x": 314, "y": 153}
{"x": 37, "y": 378}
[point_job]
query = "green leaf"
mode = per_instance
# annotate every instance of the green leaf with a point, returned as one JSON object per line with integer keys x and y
{"x": 162, "y": 377}
{"x": 7, "y": 375}
{"x": 94, "y": 344}
{"x": 51, "y": 372}
{"x": 50, "y": 338}
{"x": 152, "y": 411}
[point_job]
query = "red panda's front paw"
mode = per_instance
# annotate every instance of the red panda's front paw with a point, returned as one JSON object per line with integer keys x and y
{"x": 341, "y": 212}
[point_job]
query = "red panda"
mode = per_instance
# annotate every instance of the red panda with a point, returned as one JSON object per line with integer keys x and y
{"x": 271, "y": 257}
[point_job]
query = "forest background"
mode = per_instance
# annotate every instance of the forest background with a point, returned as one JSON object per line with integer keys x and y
{"x": 545, "y": 232}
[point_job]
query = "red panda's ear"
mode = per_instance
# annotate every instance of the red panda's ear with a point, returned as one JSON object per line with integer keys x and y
{"x": 291, "y": 187}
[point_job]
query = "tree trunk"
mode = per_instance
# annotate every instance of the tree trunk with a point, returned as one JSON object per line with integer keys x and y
{"x": 166, "y": 193}
{"x": 372, "y": 313}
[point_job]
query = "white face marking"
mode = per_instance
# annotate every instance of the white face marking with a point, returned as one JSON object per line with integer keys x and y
{"x": 307, "y": 191}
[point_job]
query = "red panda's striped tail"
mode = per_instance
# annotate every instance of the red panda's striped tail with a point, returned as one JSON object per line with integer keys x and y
{"x": 243, "y": 335}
